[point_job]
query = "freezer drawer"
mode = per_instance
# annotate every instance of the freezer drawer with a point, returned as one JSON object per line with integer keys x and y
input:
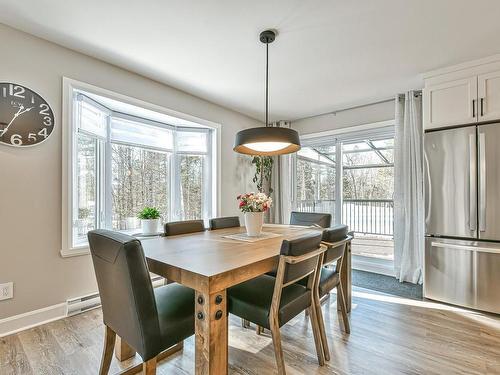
{"x": 488, "y": 281}
{"x": 465, "y": 273}
{"x": 449, "y": 274}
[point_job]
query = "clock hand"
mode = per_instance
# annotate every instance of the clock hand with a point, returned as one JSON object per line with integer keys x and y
{"x": 18, "y": 113}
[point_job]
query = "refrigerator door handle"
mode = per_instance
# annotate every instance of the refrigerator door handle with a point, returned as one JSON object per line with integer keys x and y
{"x": 429, "y": 191}
{"x": 472, "y": 183}
{"x": 480, "y": 249}
{"x": 482, "y": 182}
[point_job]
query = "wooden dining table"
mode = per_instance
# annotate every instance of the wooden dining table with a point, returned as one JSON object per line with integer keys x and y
{"x": 210, "y": 263}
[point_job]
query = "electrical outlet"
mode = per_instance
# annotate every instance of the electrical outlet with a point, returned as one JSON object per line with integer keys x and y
{"x": 6, "y": 291}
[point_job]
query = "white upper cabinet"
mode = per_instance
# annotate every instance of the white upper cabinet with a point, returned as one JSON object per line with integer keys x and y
{"x": 463, "y": 94}
{"x": 450, "y": 103}
{"x": 488, "y": 87}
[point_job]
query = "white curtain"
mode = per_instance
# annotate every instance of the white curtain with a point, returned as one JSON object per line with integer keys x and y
{"x": 408, "y": 189}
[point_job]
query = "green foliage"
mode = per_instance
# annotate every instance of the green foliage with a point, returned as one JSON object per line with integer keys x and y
{"x": 263, "y": 172}
{"x": 83, "y": 213}
{"x": 149, "y": 213}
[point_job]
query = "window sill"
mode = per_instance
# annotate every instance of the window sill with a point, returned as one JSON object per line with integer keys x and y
{"x": 75, "y": 251}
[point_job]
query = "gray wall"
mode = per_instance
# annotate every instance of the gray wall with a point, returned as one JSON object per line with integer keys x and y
{"x": 346, "y": 118}
{"x": 30, "y": 179}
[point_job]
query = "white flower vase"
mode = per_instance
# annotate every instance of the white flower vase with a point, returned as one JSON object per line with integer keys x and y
{"x": 149, "y": 226}
{"x": 253, "y": 223}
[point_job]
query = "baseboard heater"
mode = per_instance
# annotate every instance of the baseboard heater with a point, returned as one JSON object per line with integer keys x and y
{"x": 92, "y": 301}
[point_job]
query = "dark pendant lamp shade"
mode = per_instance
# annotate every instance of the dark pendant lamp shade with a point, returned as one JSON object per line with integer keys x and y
{"x": 268, "y": 140}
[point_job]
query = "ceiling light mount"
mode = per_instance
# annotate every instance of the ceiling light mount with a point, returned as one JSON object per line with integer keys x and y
{"x": 268, "y": 36}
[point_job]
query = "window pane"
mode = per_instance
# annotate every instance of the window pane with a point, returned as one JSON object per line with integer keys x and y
{"x": 123, "y": 130}
{"x": 192, "y": 141}
{"x": 91, "y": 118}
{"x": 369, "y": 183}
{"x": 85, "y": 199}
{"x": 306, "y": 181}
{"x": 191, "y": 189}
{"x": 325, "y": 154}
{"x": 326, "y": 183}
{"x": 141, "y": 178}
{"x": 315, "y": 187}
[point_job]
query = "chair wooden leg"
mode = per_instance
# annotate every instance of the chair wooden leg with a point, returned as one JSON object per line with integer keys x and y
{"x": 149, "y": 367}
{"x": 322, "y": 331}
{"x": 107, "y": 352}
{"x": 258, "y": 329}
{"x": 278, "y": 351}
{"x": 343, "y": 309}
{"x": 317, "y": 335}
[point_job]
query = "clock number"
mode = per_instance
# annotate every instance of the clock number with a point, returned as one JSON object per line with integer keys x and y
{"x": 45, "y": 109}
{"x": 47, "y": 121}
{"x": 43, "y": 133}
{"x": 17, "y": 91}
{"x": 32, "y": 137}
{"x": 16, "y": 139}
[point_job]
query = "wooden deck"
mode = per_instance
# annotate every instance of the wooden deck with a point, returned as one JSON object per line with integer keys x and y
{"x": 373, "y": 246}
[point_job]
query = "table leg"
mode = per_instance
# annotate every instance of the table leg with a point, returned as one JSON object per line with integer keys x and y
{"x": 346, "y": 278}
{"x": 122, "y": 350}
{"x": 211, "y": 333}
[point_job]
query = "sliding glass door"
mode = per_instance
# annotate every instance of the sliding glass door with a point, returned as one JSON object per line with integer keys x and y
{"x": 350, "y": 176}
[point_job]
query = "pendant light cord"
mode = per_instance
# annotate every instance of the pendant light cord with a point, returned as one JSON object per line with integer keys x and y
{"x": 267, "y": 83}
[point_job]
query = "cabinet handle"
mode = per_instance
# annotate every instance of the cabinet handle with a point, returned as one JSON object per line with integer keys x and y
{"x": 473, "y": 107}
{"x": 482, "y": 100}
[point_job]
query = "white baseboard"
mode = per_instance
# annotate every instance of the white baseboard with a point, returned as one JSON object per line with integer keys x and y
{"x": 30, "y": 319}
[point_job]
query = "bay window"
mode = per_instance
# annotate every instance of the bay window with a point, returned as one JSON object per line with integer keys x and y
{"x": 122, "y": 162}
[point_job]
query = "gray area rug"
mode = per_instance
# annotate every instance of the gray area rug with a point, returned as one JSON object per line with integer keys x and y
{"x": 386, "y": 284}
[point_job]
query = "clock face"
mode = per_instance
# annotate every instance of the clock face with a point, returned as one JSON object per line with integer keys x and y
{"x": 25, "y": 117}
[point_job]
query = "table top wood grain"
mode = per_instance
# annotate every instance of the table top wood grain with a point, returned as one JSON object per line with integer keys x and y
{"x": 199, "y": 259}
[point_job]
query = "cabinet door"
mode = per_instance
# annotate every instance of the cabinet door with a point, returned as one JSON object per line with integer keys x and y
{"x": 450, "y": 103}
{"x": 489, "y": 96}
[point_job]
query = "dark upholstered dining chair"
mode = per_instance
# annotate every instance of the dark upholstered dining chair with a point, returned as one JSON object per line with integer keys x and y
{"x": 224, "y": 222}
{"x": 336, "y": 239}
{"x": 175, "y": 228}
{"x": 310, "y": 218}
{"x": 148, "y": 320}
{"x": 271, "y": 302}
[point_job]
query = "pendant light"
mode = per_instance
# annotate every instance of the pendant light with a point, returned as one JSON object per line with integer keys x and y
{"x": 268, "y": 140}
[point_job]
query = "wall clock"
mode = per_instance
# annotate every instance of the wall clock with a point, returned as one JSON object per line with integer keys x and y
{"x": 26, "y": 119}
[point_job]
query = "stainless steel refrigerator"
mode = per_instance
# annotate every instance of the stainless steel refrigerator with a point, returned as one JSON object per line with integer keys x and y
{"x": 462, "y": 216}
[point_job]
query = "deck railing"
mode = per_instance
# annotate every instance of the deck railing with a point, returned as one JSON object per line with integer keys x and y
{"x": 369, "y": 216}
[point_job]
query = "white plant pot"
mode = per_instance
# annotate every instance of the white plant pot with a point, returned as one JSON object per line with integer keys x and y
{"x": 253, "y": 223}
{"x": 149, "y": 226}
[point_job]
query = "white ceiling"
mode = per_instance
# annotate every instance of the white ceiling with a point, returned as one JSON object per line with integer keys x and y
{"x": 328, "y": 55}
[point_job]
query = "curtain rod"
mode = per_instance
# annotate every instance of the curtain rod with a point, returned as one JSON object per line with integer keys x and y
{"x": 345, "y": 109}
{"x": 417, "y": 93}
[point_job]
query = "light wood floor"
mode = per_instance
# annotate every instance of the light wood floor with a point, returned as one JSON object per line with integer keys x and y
{"x": 389, "y": 335}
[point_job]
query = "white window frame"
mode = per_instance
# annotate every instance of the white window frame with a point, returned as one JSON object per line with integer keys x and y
{"x": 213, "y": 159}
{"x": 339, "y": 136}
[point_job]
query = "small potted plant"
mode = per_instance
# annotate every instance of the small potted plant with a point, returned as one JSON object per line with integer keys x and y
{"x": 253, "y": 206}
{"x": 150, "y": 218}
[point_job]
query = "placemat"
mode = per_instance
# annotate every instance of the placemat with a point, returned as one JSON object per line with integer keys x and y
{"x": 245, "y": 238}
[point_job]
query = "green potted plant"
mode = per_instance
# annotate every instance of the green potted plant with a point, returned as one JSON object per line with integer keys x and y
{"x": 150, "y": 218}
